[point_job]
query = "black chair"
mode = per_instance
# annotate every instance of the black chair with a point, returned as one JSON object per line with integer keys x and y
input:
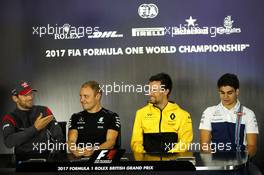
{"x": 118, "y": 140}
{"x": 63, "y": 128}
{"x": 252, "y": 169}
{"x": 63, "y": 124}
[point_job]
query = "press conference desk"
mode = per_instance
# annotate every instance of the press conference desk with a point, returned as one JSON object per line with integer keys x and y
{"x": 202, "y": 161}
{"x": 154, "y": 162}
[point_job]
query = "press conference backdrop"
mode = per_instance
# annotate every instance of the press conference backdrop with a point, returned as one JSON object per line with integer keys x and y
{"x": 58, "y": 45}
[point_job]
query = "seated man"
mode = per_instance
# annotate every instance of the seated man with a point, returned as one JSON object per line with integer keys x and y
{"x": 229, "y": 123}
{"x": 161, "y": 126}
{"x": 28, "y": 125}
{"x": 95, "y": 127}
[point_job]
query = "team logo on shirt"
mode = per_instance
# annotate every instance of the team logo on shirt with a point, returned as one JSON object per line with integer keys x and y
{"x": 100, "y": 123}
{"x": 148, "y": 116}
{"x": 81, "y": 121}
{"x": 6, "y": 125}
{"x": 217, "y": 119}
{"x": 24, "y": 84}
{"x": 172, "y": 116}
{"x": 172, "y": 120}
{"x": 217, "y": 113}
{"x": 101, "y": 120}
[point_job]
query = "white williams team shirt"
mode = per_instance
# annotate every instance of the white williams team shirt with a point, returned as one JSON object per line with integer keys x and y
{"x": 222, "y": 123}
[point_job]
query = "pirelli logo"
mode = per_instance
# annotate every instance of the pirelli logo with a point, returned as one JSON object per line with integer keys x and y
{"x": 158, "y": 31}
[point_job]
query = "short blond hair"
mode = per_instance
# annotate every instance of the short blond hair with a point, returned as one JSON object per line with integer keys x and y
{"x": 93, "y": 85}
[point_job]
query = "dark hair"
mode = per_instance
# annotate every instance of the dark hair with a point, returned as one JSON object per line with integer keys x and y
{"x": 164, "y": 79}
{"x": 228, "y": 80}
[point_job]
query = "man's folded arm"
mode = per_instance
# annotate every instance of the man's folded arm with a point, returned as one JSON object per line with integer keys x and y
{"x": 13, "y": 139}
{"x": 137, "y": 136}
{"x": 110, "y": 142}
{"x": 185, "y": 136}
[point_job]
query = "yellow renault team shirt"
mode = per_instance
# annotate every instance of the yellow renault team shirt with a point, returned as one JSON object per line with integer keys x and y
{"x": 156, "y": 130}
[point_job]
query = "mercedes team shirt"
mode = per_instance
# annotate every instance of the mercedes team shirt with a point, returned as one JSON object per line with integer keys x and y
{"x": 92, "y": 127}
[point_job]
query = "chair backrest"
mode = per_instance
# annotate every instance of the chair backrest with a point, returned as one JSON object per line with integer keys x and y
{"x": 63, "y": 128}
{"x": 118, "y": 140}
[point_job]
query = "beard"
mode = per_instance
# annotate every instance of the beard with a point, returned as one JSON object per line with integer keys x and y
{"x": 27, "y": 105}
{"x": 152, "y": 100}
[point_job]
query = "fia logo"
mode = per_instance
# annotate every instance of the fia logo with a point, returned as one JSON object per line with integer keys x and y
{"x": 148, "y": 11}
{"x": 228, "y": 22}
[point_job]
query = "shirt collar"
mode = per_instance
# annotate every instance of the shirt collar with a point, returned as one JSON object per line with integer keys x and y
{"x": 168, "y": 106}
{"x": 234, "y": 109}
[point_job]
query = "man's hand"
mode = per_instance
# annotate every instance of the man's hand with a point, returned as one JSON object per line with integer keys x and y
{"x": 251, "y": 144}
{"x": 205, "y": 140}
{"x": 42, "y": 122}
{"x": 77, "y": 152}
{"x": 88, "y": 152}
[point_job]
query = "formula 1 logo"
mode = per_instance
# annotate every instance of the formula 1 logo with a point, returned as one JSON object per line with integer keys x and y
{"x": 106, "y": 156}
{"x": 148, "y": 10}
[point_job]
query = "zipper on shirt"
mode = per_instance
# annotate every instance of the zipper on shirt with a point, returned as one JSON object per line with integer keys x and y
{"x": 160, "y": 133}
{"x": 160, "y": 120}
{"x": 160, "y": 130}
